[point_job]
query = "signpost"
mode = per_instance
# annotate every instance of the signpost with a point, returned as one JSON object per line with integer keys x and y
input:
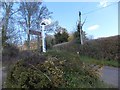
{"x": 43, "y": 38}
{"x": 33, "y": 32}
{"x": 51, "y": 25}
{"x": 46, "y": 26}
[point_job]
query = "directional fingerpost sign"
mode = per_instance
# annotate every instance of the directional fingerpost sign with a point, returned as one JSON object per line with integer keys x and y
{"x": 51, "y": 26}
{"x": 33, "y": 32}
{"x": 45, "y": 25}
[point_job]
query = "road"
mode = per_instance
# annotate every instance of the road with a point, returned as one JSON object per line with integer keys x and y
{"x": 2, "y": 77}
{"x": 110, "y": 75}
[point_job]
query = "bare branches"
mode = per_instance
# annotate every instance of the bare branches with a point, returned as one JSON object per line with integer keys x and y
{"x": 18, "y": 17}
{"x": 84, "y": 21}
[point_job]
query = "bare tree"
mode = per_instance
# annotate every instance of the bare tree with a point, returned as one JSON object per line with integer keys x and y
{"x": 7, "y": 10}
{"x": 32, "y": 14}
{"x": 7, "y": 22}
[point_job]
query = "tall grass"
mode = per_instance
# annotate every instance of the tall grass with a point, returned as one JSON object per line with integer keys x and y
{"x": 90, "y": 60}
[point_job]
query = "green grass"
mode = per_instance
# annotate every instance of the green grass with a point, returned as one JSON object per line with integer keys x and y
{"x": 86, "y": 59}
{"x": 99, "y": 62}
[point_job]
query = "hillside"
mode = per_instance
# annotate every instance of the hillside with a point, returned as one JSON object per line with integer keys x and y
{"x": 102, "y": 48}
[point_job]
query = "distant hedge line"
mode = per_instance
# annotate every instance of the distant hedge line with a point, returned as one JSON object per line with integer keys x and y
{"x": 103, "y": 48}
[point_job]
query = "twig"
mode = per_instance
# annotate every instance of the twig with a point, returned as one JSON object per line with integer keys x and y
{"x": 41, "y": 72}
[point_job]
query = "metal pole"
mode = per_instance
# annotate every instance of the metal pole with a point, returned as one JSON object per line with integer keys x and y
{"x": 43, "y": 39}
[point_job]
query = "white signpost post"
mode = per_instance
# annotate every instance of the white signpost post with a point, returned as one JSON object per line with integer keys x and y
{"x": 43, "y": 38}
{"x": 46, "y": 26}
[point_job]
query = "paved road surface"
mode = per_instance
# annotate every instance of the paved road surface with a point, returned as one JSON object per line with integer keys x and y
{"x": 2, "y": 77}
{"x": 110, "y": 75}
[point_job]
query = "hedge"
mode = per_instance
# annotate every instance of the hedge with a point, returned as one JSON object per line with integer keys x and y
{"x": 103, "y": 48}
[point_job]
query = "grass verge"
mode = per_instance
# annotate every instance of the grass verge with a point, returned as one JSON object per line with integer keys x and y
{"x": 99, "y": 62}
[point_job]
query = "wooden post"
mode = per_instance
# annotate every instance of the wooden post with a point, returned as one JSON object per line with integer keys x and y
{"x": 38, "y": 43}
{"x": 28, "y": 41}
{"x": 81, "y": 39}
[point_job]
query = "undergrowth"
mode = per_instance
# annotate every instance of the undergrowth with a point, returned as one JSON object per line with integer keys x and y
{"x": 54, "y": 69}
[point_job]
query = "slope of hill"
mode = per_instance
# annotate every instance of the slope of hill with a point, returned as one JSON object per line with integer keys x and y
{"x": 102, "y": 48}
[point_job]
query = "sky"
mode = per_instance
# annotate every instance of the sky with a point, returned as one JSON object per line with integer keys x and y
{"x": 101, "y": 17}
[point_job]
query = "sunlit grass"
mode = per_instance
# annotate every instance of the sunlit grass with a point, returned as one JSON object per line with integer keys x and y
{"x": 99, "y": 62}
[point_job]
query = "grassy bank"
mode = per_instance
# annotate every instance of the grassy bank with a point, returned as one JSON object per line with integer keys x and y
{"x": 99, "y": 62}
{"x": 103, "y": 51}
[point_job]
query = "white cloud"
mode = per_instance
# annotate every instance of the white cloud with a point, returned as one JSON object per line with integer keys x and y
{"x": 93, "y": 27}
{"x": 103, "y": 3}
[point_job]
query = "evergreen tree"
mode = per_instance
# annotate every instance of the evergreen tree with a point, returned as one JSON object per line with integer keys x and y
{"x": 61, "y": 36}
